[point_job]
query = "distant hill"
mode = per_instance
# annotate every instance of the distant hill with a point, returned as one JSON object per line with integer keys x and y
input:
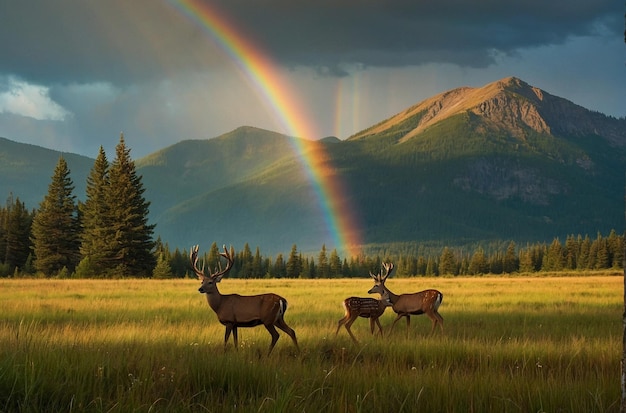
{"x": 26, "y": 171}
{"x": 506, "y": 161}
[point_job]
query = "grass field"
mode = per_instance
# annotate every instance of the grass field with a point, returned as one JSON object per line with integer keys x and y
{"x": 519, "y": 344}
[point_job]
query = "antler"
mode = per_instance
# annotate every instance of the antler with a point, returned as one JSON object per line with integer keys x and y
{"x": 229, "y": 257}
{"x": 380, "y": 277}
{"x": 388, "y": 269}
{"x": 193, "y": 257}
{"x": 219, "y": 272}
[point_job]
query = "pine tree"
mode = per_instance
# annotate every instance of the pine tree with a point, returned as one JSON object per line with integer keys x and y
{"x": 294, "y": 264}
{"x": 510, "y": 262}
{"x": 478, "y": 263}
{"x": 323, "y": 270}
{"x": 447, "y": 262}
{"x": 132, "y": 244}
{"x": 162, "y": 270}
{"x": 584, "y": 255}
{"x": 179, "y": 263}
{"x": 279, "y": 267}
{"x": 257, "y": 265}
{"x": 526, "y": 260}
{"x": 55, "y": 230}
{"x": 97, "y": 236}
{"x": 17, "y": 224}
{"x": 245, "y": 262}
{"x": 334, "y": 264}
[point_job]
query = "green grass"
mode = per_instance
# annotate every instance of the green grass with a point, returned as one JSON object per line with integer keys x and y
{"x": 520, "y": 344}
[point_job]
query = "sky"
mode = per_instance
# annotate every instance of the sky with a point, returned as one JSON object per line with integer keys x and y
{"x": 75, "y": 74}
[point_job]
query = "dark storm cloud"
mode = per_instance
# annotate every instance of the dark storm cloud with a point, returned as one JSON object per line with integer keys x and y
{"x": 123, "y": 41}
{"x": 408, "y": 32}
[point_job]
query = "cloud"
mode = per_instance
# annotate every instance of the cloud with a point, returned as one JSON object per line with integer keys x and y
{"x": 118, "y": 41}
{"x": 21, "y": 98}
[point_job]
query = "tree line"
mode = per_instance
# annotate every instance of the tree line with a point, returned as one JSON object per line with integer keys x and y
{"x": 578, "y": 253}
{"x": 108, "y": 236}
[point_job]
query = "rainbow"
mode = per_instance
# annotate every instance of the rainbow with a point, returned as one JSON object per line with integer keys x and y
{"x": 338, "y": 214}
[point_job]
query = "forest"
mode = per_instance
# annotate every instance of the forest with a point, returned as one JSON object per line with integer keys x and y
{"x": 108, "y": 236}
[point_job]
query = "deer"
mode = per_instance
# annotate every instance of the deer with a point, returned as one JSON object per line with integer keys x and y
{"x": 404, "y": 305}
{"x": 356, "y": 307}
{"x": 234, "y": 310}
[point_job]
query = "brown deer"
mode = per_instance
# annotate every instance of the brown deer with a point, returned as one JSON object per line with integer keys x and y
{"x": 356, "y": 307}
{"x": 423, "y": 302}
{"x": 234, "y": 310}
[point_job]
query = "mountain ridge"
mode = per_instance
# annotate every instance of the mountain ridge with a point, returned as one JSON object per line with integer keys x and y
{"x": 505, "y": 161}
{"x": 541, "y": 111}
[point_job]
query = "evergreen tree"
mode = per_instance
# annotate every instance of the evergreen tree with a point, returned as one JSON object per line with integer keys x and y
{"x": 15, "y": 233}
{"x": 510, "y": 262}
{"x": 279, "y": 267}
{"x": 422, "y": 266}
{"x": 554, "y": 259}
{"x": 294, "y": 263}
{"x": 257, "y": 265}
{"x": 322, "y": 264}
{"x": 478, "y": 263}
{"x": 447, "y": 262}
{"x": 132, "y": 244}
{"x": 616, "y": 249}
{"x": 496, "y": 263}
{"x": 245, "y": 261}
{"x": 584, "y": 255}
{"x": 162, "y": 270}
{"x": 179, "y": 263}
{"x": 97, "y": 235}
{"x": 571, "y": 252}
{"x": 213, "y": 259}
{"x": 603, "y": 259}
{"x": 55, "y": 230}
{"x": 334, "y": 264}
{"x": 526, "y": 260}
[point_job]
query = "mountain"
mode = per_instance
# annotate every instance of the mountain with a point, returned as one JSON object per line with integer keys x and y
{"x": 506, "y": 161}
{"x": 26, "y": 171}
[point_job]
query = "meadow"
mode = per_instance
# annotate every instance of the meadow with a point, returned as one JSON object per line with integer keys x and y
{"x": 511, "y": 344}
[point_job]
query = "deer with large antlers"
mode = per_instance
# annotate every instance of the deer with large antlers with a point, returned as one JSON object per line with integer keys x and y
{"x": 423, "y": 302}
{"x": 234, "y": 310}
{"x": 356, "y": 307}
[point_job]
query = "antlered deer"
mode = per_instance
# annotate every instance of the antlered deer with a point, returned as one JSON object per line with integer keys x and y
{"x": 424, "y": 302}
{"x": 234, "y": 310}
{"x": 356, "y": 307}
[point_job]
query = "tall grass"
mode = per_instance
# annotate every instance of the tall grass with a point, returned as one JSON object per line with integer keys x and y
{"x": 510, "y": 345}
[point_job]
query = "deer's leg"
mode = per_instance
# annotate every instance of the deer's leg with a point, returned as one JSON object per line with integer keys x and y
{"x": 275, "y": 335}
{"x": 290, "y": 332}
{"x": 438, "y": 320}
{"x": 342, "y": 322}
{"x": 235, "y": 337}
{"x": 380, "y": 328}
{"x": 372, "y": 321}
{"x": 408, "y": 324}
{"x": 400, "y": 315}
{"x": 348, "y": 325}
{"x": 229, "y": 328}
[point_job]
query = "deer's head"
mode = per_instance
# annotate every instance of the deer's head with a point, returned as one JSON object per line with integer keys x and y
{"x": 379, "y": 281}
{"x": 210, "y": 280}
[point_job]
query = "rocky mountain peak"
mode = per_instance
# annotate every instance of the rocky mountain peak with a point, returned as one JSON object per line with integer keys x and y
{"x": 508, "y": 104}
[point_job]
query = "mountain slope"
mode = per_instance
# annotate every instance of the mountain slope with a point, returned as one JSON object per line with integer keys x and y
{"x": 193, "y": 167}
{"x": 26, "y": 171}
{"x": 507, "y": 161}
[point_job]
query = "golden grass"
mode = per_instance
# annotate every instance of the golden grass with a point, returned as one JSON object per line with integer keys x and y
{"x": 510, "y": 344}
